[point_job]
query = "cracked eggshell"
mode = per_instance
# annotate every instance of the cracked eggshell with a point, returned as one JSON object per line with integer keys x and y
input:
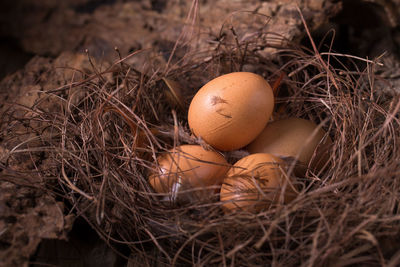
{"x": 189, "y": 167}
{"x": 231, "y": 110}
{"x": 294, "y": 138}
{"x": 255, "y": 183}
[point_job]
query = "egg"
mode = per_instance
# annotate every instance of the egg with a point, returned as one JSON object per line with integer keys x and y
{"x": 231, "y": 110}
{"x": 189, "y": 167}
{"x": 255, "y": 183}
{"x": 295, "y": 138}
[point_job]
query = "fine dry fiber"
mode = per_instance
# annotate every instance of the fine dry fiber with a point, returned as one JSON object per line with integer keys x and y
{"x": 93, "y": 143}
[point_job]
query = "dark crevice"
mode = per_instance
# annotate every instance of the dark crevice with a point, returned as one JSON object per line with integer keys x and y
{"x": 12, "y": 56}
{"x": 83, "y": 248}
{"x": 158, "y": 5}
{"x": 361, "y": 29}
{"x": 92, "y": 5}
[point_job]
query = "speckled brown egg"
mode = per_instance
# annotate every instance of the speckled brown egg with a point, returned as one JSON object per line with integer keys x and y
{"x": 231, "y": 110}
{"x": 295, "y": 138}
{"x": 255, "y": 183}
{"x": 189, "y": 167}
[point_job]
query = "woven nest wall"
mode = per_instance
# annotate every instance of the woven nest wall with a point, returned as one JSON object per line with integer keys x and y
{"x": 100, "y": 139}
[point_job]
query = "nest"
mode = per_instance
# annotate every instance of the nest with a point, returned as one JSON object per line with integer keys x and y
{"x": 101, "y": 136}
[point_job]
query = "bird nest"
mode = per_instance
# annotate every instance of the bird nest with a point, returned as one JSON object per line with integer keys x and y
{"x": 99, "y": 139}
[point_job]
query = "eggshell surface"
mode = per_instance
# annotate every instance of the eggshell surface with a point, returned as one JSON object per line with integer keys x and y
{"x": 189, "y": 167}
{"x": 296, "y": 138}
{"x": 255, "y": 183}
{"x": 231, "y": 110}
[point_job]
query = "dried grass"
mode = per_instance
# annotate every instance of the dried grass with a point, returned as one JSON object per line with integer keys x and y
{"x": 104, "y": 142}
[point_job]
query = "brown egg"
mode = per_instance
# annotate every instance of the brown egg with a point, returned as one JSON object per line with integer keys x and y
{"x": 255, "y": 183}
{"x": 231, "y": 110}
{"x": 296, "y": 138}
{"x": 189, "y": 167}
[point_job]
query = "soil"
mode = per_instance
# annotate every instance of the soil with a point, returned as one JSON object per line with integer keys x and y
{"x": 43, "y": 44}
